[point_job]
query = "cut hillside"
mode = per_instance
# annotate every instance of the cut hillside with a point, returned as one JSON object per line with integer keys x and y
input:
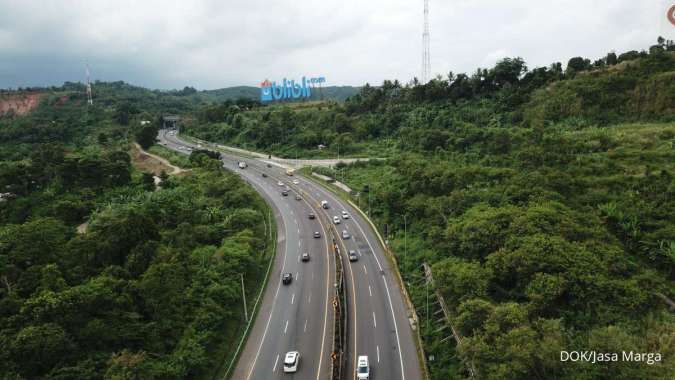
{"x": 18, "y": 103}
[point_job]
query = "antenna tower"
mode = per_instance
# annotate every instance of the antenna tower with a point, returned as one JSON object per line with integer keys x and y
{"x": 89, "y": 99}
{"x": 426, "y": 55}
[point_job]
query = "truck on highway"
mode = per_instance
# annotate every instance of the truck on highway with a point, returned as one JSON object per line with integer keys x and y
{"x": 290, "y": 172}
{"x": 242, "y": 165}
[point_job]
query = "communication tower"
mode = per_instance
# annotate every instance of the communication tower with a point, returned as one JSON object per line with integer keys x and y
{"x": 90, "y": 101}
{"x": 426, "y": 55}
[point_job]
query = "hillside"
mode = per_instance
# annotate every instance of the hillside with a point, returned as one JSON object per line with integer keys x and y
{"x": 542, "y": 200}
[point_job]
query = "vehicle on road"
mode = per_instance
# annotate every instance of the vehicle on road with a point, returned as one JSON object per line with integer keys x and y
{"x": 345, "y": 234}
{"x": 305, "y": 256}
{"x": 199, "y": 145}
{"x": 345, "y": 215}
{"x": 336, "y": 219}
{"x": 264, "y": 175}
{"x": 286, "y": 278}
{"x": 290, "y": 172}
{"x": 362, "y": 368}
{"x": 298, "y": 197}
{"x": 311, "y": 215}
{"x": 269, "y": 165}
{"x": 296, "y": 182}
{"x": 284, "y": 193}
{"x": 353, "y": 256}
{"x": 242, "y": 165}
{"x": 317, "y": 234}
{"x": 324, "y": 205}
{"x": 280, "y": 183}
{"x": 291, "y": 361}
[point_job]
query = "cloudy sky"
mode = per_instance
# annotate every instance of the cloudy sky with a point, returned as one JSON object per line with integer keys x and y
{"x": 220, "y": 43}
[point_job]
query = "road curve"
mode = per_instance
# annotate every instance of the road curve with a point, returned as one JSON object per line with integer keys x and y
{"x": 291, "y": 317}
{"x": 379, "y": 324}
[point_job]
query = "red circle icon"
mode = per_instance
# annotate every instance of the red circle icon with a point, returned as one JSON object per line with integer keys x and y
{"x": 671, "y": 15}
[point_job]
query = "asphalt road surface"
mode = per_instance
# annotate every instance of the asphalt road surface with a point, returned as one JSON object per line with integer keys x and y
{"x": 299, "y": 316}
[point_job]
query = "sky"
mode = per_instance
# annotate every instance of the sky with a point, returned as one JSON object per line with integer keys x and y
{"x": 222, "y": 43}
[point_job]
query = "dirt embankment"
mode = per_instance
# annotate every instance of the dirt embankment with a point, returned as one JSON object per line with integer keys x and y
{"x": 18, "y": 103}
{"x": 148, "y": 162}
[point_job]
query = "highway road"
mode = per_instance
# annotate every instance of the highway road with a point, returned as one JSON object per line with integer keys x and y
{"x": 378, "y": 322}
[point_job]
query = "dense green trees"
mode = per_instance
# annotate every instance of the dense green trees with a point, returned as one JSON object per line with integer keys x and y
{"x": 151, "y": 289}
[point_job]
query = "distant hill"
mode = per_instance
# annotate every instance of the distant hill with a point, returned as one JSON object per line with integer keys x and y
{"x": 331, "y": 92}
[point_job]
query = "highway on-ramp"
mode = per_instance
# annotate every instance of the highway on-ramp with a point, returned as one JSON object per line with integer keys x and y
{"x": 379, "y": 324}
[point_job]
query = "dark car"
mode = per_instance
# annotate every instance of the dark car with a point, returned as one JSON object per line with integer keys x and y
{"x": 284, "y": 193}
{"x": 264, "y": 175}
{"x": 286, "y": 278}
{"x": 317, "y": 234}
{"x": 352, "y": 256}
{"x": 269, "y": 165}
{"x": 311, "y": 215}
{"x": 305, "y": 256}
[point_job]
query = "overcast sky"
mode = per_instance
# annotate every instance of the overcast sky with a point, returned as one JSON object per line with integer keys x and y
{"x": 221, "y": 43}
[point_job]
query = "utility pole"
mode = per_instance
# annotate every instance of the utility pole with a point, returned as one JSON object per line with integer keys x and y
{"x": 405, "y": 235}
{"x": 243, "y": 295}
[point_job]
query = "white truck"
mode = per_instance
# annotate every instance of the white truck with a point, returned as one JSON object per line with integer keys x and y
{"x": 242, "y": 165}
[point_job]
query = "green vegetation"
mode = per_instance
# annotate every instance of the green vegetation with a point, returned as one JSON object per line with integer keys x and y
{"x": 543, "y": 200}
{"x": 152, "y": 289}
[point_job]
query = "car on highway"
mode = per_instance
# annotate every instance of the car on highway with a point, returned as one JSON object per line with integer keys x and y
{"x": 324, "y": 205}
{"x": 305, "y": 256}
{"x": 317, "y": 234}
{"x": 291, "y": 361}
{"x": 298, "y": 197}
{"x": 269, "y": 165}
{"x": 311, "y": 215}
{"x": 353, "y": 256}
{"x": 336, "y": 219}
{"x": 181, "y": 148}
{"x": 242, "y": 165}
{"x": 264, "y": 175}
{"x": 188, "y": 149}
{"x": 362, "y": 368}
{"x": 280, "y": 183}
{"x": 345, "y": 215}
{"x": 345, "y": 234}
{"x": 296, "y": 182}
{"x": 286, "y": 278}
{"x": 284, "y": 193}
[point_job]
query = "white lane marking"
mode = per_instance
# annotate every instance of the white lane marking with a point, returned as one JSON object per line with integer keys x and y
{"x": 378, "y": 353}
{"x": 292, "y": 298}
{"x": 305, "y": 329}
{"x": 312, "y": 275}
{"x": 374, "y": 320}
{"x": 299, "y": 243}
{"x": 364, "y": 269}
{"x": 298, "y": 257}
{"x": 291, "y": 212}
{"x": 269, "y": 319}
{"x": 309, "y": 300}
{"x": 297, "y": 276}
{"x": 370, "y": 291}
{"x": 386, "y": 287}
{"x": 296, "y": 222}
{"x": 286, "y": 327}
{"x": 275, "y": 364}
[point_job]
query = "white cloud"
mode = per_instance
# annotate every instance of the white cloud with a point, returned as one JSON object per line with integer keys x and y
{"x": 213, "y": 44}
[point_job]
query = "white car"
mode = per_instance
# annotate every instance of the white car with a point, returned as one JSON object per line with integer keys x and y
{"x": 295, "y": 182}
{"x": 336, "y": 219}
{"x": 291, "y": 361}
{"x": 345, "y": 234}
{"x": 362, "y": 368}
{"x": 280, "y": 183}
{"x": 345, "y": 215}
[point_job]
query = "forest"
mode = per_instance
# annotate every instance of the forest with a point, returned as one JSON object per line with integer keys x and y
{"x": 103, "y": 273}
{"x": 543, "y": 199}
